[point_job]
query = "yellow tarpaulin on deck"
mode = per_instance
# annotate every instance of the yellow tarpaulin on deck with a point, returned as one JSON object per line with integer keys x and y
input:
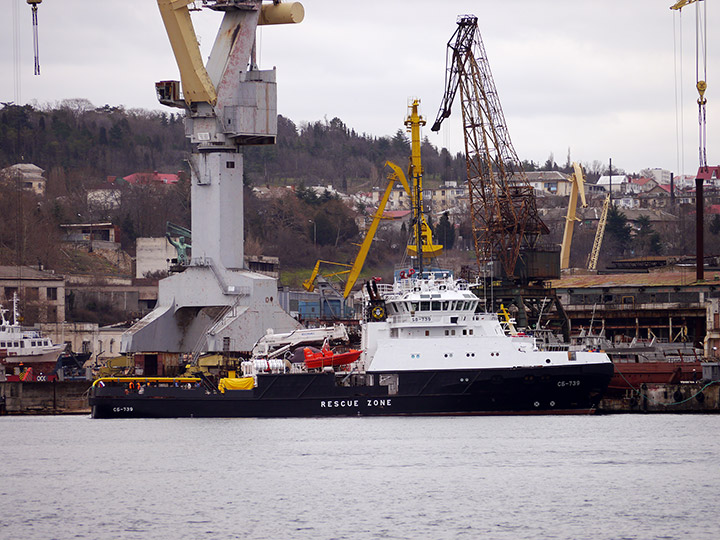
{"x": 244, "y": 383}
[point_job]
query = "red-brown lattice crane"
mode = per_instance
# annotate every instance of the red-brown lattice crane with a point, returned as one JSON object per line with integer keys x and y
{"x": 503, "y": 209}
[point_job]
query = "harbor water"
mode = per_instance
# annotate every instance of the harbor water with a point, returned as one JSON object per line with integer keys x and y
{"x": 559, "y": 477}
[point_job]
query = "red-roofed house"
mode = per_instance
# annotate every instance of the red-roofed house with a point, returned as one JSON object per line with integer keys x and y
{"x": 656, "y": 197}
{"x": 646, "y": 184}
{"x": 396, "y": 214}
{"x": 147, "y": 178}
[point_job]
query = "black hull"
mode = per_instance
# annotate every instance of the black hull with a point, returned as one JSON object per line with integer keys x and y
{"x": 544, "y": 390}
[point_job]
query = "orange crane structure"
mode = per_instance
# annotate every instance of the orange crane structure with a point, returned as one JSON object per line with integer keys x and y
{"x": 506, "y": 225}
{"x": 503, "y": 208}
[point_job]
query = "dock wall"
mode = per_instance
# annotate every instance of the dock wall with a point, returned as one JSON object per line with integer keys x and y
{"x": 71, "y": 397}
{"x": 67, "y": 397}
{"x": 689, "y": 397}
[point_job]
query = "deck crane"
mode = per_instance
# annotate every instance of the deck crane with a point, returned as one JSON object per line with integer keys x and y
{"x": 503, "y": 209}
{"x": 578, "y": 188}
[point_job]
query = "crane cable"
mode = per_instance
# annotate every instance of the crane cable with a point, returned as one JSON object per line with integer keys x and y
{"x": 679, "y": 111}
{"x": 701, "y": 84}
{"x": 36, "y": 44}
{"x": 16, "y": 53}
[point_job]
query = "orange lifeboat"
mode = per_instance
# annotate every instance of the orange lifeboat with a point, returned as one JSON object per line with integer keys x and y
{"x": 326, "y": 357}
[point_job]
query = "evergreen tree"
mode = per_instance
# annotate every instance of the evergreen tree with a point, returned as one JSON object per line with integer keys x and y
{"x": 715, "y": 225}
{"x": 618, "y": 229}
{"x": 445, "y": 233}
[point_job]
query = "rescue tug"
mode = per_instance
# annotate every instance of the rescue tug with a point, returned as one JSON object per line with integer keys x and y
{"x": 427, "y": 349}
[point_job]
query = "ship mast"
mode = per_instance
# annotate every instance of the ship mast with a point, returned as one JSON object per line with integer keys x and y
{"x": 422, "y": 243}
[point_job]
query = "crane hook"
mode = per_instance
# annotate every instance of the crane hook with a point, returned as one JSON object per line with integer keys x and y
{"x": 36, "y": 46}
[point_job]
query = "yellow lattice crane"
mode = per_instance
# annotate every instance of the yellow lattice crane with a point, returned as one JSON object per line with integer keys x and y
{"x": 578, "y": 188}
{"x": 429, "y": 249}
{"x": 595, "y": 253}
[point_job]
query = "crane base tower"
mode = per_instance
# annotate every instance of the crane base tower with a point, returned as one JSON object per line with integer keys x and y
{"x": 215, "y": 304}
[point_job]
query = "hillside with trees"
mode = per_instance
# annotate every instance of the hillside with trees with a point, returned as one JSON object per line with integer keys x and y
{"x": 79, "y": 146}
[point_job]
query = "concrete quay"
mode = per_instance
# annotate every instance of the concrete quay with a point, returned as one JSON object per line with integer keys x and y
{"x": 55, "y": 397}
{"x": 71, "y": 397}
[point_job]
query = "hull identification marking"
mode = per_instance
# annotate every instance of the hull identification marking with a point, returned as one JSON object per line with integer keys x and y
{"x": 563, "y": 384}
{"x": 338, "y": 403}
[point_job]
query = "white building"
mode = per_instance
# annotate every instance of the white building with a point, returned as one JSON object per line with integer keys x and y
{"x": 661, "y": 176}
{"x": 30, "y": 176}
{"x": 618, "y": 183}
{"x": 153, "y": 255}
{"x": 550, "y": 182}
{"x": 447, "y": 196}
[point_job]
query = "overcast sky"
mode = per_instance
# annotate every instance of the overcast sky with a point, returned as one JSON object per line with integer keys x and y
{"x": 597, "y": 79}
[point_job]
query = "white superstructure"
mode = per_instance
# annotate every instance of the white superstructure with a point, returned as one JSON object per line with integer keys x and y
{"x": 24, "y": 345}
{"x": 433, "y": 323}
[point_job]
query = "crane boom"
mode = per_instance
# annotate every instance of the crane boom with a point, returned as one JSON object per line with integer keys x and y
{"x": 578, "y": 188}
{"x": 197, "y": 86}
{"x": 200, "y": 84}
{"x": 503, "y": 209}
{"x": 595, "y": 253}
{"x": 370, "y": 234}
{"x": 357, "y": 265}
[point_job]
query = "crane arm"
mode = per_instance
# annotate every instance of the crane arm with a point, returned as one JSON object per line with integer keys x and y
{"x": 357, "y": 266}
{"x": 452, "y": 76}
{"x": 196, "y": 83}
{"x": 398, "y": 175}
{"x": 578, "y": 188}
{"x": 309, "y": 283}
{"x": 595, "y": 253}
{"x": 355, "y": 269}
{"x": 681, "y": 4}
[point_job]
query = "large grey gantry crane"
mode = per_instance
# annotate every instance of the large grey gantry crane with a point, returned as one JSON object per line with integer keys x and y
{"x": 215, "y": 304}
